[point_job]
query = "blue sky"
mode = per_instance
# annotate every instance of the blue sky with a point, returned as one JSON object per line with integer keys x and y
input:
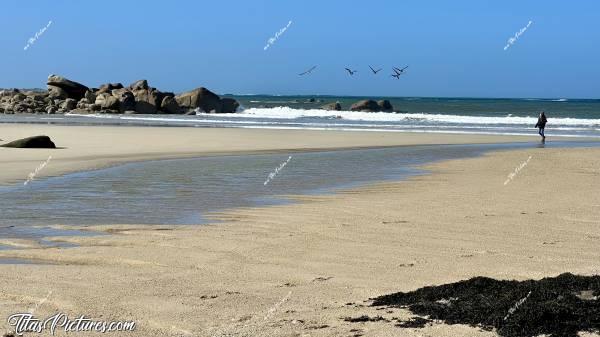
{"x": 453, "y": 48}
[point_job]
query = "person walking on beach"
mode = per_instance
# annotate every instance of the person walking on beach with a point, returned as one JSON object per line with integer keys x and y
{"x": 541, "y": 124}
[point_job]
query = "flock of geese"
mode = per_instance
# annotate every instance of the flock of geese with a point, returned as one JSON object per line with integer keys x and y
{"x": 397, "y": 71}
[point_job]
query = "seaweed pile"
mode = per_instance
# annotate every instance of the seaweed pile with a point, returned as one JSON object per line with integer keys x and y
{"x": 558, "y": 306}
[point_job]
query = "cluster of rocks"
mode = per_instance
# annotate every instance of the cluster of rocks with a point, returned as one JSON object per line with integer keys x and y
{"x": 64, "y": 95}
{"x": 364, "y": 105}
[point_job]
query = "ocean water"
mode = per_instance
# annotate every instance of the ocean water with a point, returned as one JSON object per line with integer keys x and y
{"x": 566, "y": 117}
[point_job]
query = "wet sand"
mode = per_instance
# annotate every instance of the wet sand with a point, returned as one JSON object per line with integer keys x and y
{"x": 93, "y": 147}
{"x": 300, "y": 269}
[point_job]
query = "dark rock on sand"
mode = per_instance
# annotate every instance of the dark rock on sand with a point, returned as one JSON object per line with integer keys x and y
{"x": 72, "y": 89}
{"x": 332, "y": 106}
{"x": 36, "y": 142}
{"x": 558, "y": 306}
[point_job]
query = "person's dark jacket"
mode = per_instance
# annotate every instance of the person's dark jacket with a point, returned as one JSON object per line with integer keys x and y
{"x": 541, "y": 123}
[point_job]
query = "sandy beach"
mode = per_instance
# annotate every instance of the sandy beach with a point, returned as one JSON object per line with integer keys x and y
{"x": 300, "y": 269}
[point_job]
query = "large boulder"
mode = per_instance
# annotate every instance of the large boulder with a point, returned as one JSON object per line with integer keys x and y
{"x": 73, "y": 89}
{"x": 107, "y": 102}
{"x": 169, "y": 105}
{"x": 90, "y": 97}
{"x": 200, "y": 98}
{"x": 127, "y": 101}
{"x": 229, "y": 105}
{"x": 147, "y": 101}
{"x": 37, "y": 142}
{"x": 19, "y": 97}
{"x": 109, "y": 87}
{"x": 57, "y": 93}
{"x": 385, "y": 105}
{"x": 332, "y": 106}
{"x": 365, "y": 105}
{"x": 138, "y": 85}
{"x": 69, "y": 104}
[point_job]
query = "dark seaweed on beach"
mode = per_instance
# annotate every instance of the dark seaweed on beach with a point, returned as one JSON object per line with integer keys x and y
{"x": 556, "y": 306}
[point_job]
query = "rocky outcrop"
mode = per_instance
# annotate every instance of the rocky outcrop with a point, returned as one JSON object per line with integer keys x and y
{"x": 37, "y": 142}
{"x": 372, "y": 106}
{"x": 332, "y": 106}
{"x": 64, "y": 95}
{"x": 70, "y": 88}
{"x": 385, "y": 105}
{"x": 14, "y": 101}
{"x": 365, "y": 105}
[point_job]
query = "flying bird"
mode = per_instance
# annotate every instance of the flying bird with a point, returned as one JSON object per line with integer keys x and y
{"x": 375, "y": 71}
{"x": 308, "y": 71}
{"x": 399, "y": 71}
{"x": 351, "y": 72}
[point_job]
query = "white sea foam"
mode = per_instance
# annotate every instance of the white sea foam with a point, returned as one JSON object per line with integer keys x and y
{"x": 289, "y": 113}
{"x": 314, "y": 119}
